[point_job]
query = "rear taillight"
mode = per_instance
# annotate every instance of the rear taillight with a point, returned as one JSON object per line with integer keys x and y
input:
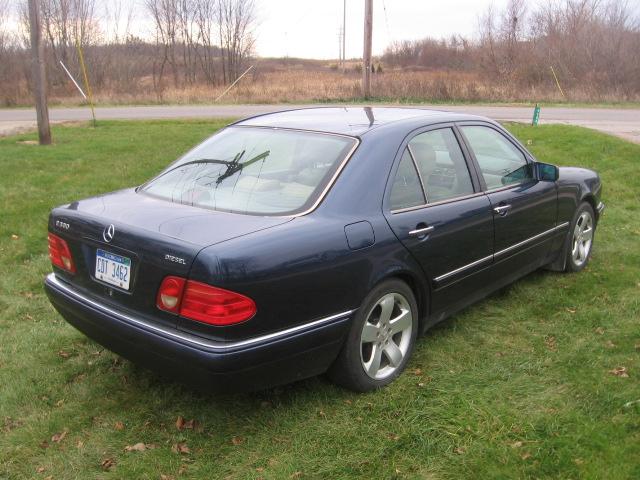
{"x": 170, "y": 294}
{"x": 204, "y": 303}
{"x": 60, "y": 254}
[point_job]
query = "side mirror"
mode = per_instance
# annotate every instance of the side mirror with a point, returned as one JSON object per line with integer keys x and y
{"x": 547, "y": 172}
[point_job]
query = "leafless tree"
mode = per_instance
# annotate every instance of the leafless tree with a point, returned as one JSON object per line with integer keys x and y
{"x": 164, "y": 15}
{"x": 207, "y": 48}
{"x": 236, "y": 22}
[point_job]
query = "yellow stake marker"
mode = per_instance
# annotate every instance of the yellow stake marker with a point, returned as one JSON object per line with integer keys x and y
{"x": 557, "y": 82}
{"x": 86, "y": 81}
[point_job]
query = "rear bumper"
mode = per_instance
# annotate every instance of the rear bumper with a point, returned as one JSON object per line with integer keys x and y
{"x": 252, "y": 364}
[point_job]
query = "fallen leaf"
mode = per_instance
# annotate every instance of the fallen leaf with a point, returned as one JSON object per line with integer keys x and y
{"x": 180, "y": 422}
{"x": 420, "y": 384}
{"x": 550, "y": 341}
{"x": 80, "y": 444}
{"x": 118, "y": 426}
{"x": 58, "y": 437}
{"x": 259, "y": 469}
{"x": 517, "y": 444}
{"x": 40, "y": 469}
{"x": 417, "y": 371}
{"x": 180, "y": 448}
{"x": 296, "y": 475}
{"x": 599, "y": 331}
{"x": 107, "y": 463}
{"x": 322, "y": 414}
{"x": 619, "y": 372}
{"x": 237, "y": 440}
{"x": 59, "y": 403}
{"x": 609, "y": 344}
{"x": 525, "y": 456}
{"x": 348, "y": 402}
{"x": 459, "y": 450}
{"x": 571, "y": 310}
{"x": 138, "y": 447}
{"x": 14, "y": 237}
{"x": 166, "y": 477}
{"x": 578, "y": 461}
{"x": 64, "y": 354}
{"x": 44, "y": 444}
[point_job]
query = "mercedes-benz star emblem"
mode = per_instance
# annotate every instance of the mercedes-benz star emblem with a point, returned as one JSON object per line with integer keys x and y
{"x": 108, "y": 233}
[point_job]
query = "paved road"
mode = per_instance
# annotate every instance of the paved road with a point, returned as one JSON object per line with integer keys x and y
{"x": 621, "y": 122}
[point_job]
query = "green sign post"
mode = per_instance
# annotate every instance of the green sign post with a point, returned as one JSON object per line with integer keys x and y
{"x": 536, "y": 115}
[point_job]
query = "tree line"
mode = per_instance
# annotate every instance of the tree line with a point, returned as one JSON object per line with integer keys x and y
{"x": 189, "y": 42}
{"x": 588, "y": 44}
{"x": 162, "y": 49}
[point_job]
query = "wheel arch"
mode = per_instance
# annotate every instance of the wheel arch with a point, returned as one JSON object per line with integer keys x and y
{"x": 418, "y": 286}
{"x": 590, "y": 198}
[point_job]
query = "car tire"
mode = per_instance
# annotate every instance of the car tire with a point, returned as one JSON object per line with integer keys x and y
{"x": 380, "y": 340}
{"x": 580, "y": 238}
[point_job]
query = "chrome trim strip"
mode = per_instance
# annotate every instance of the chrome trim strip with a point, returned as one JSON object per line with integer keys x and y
{"x": 531, "y": 239}
{"x": 188, "y": 338}
{"x": 501, "y": 252}
{"x": 415, "y": 165}
{"x": 464, "y": 267}
{"x": 441, "y": 202}
{"x": 600, "y": 208}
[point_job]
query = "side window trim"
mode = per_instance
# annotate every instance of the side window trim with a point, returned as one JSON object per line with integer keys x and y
{"x": 474, "y": 160}
{"x": 476, "y": 179}
{"x": 425, "y": 194}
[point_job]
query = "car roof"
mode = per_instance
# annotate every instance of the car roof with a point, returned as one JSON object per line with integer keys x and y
{"x": 353, "y": 121}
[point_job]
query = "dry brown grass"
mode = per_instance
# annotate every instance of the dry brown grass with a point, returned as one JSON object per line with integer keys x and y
{"x": 304, "y": 83}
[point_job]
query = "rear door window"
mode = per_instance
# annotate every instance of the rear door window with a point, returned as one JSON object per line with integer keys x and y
{"x": 441, "y": 165}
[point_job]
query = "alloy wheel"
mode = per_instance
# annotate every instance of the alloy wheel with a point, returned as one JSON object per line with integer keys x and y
{"x": 386, "y": 336}
{"x": 582, "y": 239}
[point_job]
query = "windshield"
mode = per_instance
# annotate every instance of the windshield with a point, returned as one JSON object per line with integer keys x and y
{"x": 254, "y": 170}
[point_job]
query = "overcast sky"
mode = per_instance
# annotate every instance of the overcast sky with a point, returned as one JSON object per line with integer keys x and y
{"x": 309, "y": 28}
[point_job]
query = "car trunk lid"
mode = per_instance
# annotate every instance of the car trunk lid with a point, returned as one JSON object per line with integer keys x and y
{"x": 153, "y": 238}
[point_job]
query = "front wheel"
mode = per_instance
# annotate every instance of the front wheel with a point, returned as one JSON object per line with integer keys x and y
{"x": 380, "y": 340}
{"x": 581, "y": 235}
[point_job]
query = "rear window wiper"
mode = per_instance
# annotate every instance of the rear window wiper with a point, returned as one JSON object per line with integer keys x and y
{"x": 234, "y": 167}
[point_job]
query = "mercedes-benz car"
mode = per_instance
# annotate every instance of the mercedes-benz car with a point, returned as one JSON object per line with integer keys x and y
{"x": 314, "y": 240}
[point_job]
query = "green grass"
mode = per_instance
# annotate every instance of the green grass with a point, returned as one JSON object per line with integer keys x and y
{"x": 517, "y": 386}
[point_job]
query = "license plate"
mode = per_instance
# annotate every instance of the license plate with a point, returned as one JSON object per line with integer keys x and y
{"x": 113, "y": 269}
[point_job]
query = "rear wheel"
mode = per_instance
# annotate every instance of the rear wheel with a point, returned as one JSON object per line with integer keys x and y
{"x": 581, "y": 236}
{"x": 381, "y": 339}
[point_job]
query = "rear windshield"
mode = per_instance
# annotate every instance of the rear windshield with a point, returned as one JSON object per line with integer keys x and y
{"x": 260, "y": 171}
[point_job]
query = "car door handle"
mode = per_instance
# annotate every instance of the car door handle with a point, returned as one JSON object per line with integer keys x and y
{"x": 502, "y": 210}
{"x": 421, "y": 232}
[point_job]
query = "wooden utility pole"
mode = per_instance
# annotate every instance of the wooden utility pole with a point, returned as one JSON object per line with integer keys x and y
{"x": 366, "y": 60}
{"x": 344, "y": 34}
{"x": 38, "y": 73}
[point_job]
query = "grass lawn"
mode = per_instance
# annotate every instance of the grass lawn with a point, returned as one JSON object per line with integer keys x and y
{"x": 520, "y": 385}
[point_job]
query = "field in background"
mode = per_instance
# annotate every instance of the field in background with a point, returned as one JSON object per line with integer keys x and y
{"x": 527, "y": 384}
{"x": 309, "y": 81}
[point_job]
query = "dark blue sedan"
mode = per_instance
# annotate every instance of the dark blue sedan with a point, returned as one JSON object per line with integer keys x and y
{"x": 314, "y": 240}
